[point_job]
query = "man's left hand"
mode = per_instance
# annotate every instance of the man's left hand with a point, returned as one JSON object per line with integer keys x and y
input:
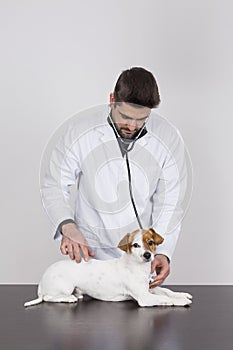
{"x": 161, "y": 265}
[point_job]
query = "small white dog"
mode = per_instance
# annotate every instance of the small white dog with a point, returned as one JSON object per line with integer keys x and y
{"x": 111, "y": 280}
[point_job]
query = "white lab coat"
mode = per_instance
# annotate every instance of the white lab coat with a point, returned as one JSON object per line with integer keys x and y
{"x": 88, "y": 156}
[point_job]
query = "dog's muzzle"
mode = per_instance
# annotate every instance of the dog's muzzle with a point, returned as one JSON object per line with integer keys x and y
{"x": 147, "y": 256}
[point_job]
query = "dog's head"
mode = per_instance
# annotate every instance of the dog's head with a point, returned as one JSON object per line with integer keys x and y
{"x": 141, "y": 244}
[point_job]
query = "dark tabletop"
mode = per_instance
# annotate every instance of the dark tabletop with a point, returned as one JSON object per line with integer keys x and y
{"x": 98, "y": 325}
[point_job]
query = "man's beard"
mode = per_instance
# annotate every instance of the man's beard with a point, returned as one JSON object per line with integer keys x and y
{"x": 126, "y": 133}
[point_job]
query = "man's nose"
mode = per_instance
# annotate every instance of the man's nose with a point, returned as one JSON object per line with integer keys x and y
{"x": 132, "y": 124}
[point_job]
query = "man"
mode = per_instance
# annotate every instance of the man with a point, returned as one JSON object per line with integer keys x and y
{"x": 136, "y": 162}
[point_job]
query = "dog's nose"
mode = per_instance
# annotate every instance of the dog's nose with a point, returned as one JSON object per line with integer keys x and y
{"x": 147, "y": 255}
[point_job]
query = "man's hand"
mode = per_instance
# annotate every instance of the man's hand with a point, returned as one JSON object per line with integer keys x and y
{"x": 161, "y": 265}
{"x": 73, "y": 243}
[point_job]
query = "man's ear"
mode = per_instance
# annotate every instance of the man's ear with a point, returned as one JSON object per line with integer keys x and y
{"x": 158, "y": 239}
{"x": 124, "y": 243}
{"x": 112, "y": 98}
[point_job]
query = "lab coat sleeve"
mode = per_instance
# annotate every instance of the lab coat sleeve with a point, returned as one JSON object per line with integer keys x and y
{"x": 169, "y": 199}
{"x": 61, "y": 171}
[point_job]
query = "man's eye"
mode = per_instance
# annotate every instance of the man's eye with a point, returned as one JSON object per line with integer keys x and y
{"x": 151, "y": 243}
{"x": 135, "y": 245}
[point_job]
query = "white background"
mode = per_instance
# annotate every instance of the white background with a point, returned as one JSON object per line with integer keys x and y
{"x": 58, "y": 57}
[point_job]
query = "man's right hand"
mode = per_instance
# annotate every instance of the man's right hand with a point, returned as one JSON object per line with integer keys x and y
{"x": 74, "y": 244}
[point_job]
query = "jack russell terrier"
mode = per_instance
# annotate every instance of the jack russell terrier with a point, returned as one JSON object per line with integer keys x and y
{"x": 119, "y": 279}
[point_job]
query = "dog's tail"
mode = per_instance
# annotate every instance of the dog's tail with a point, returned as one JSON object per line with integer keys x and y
{"x": 34, "y": 302}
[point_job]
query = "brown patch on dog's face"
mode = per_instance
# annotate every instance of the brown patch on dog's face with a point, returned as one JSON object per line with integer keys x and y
{"x": 127, "y": 242}
{"x": 151, "y": 239}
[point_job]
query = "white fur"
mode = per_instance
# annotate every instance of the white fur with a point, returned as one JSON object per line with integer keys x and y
{"x": 110, "y": 280}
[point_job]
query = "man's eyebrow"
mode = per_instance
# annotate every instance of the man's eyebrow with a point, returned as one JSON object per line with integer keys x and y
{"x": 126, "y": 116}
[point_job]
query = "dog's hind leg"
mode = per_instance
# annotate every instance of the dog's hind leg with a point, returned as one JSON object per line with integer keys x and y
{"x": 60, "y": 298}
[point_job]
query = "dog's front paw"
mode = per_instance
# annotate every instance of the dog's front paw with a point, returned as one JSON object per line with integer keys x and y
{"x": 183, "y": 295}
{"x": 164, "y": 301}
{"x": 187, "y": 295}
{"x": 182, "y": 301}
{"x": 156, "y": 301}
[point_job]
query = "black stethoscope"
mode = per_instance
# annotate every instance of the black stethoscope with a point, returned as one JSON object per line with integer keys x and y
{"x": 131, "y": 146}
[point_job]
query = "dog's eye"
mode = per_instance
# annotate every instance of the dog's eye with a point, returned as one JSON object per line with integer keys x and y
{"x": 135, "y": 245}
{"x": 151, "y": 243}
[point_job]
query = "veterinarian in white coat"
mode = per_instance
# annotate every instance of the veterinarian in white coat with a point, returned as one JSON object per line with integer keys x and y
{"x": 92, "y": 154}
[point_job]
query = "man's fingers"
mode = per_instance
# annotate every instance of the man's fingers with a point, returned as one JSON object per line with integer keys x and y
{"x": 156, "y": 283}
{"x": 84, "y": 249}
{"x": 77, "y": 253}
{"x": 90, "y": 252}
{"x": 70, "y": 251}
{"x": 154, "y": 265}
{"x": 63, "y": 246}
{"x": 73, "y": 249}
{"x": 159, "y": 278}
{"x": 67, "y": 247}
{"x": 162, "y": 273}
{"x": 63, "y": 249}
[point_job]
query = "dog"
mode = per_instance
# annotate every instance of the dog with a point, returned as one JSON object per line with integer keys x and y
{"x": 119, "y": 279}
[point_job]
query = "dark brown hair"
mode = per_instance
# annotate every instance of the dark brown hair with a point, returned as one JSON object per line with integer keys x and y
{"x": 137, "y": 86}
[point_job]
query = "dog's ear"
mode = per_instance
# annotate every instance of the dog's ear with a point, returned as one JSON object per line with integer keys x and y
{"x": 124, "y": 243}
{"x": 158, "y": 239}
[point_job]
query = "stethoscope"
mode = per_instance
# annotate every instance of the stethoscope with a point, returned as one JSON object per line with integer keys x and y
{"x": 131, "y": 146}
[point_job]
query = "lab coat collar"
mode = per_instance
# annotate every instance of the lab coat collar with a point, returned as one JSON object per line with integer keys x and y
{"x": 107, "y": 134}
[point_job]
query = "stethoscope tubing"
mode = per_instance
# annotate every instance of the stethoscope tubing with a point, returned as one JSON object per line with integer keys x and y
{"x": 128, "y": 167}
